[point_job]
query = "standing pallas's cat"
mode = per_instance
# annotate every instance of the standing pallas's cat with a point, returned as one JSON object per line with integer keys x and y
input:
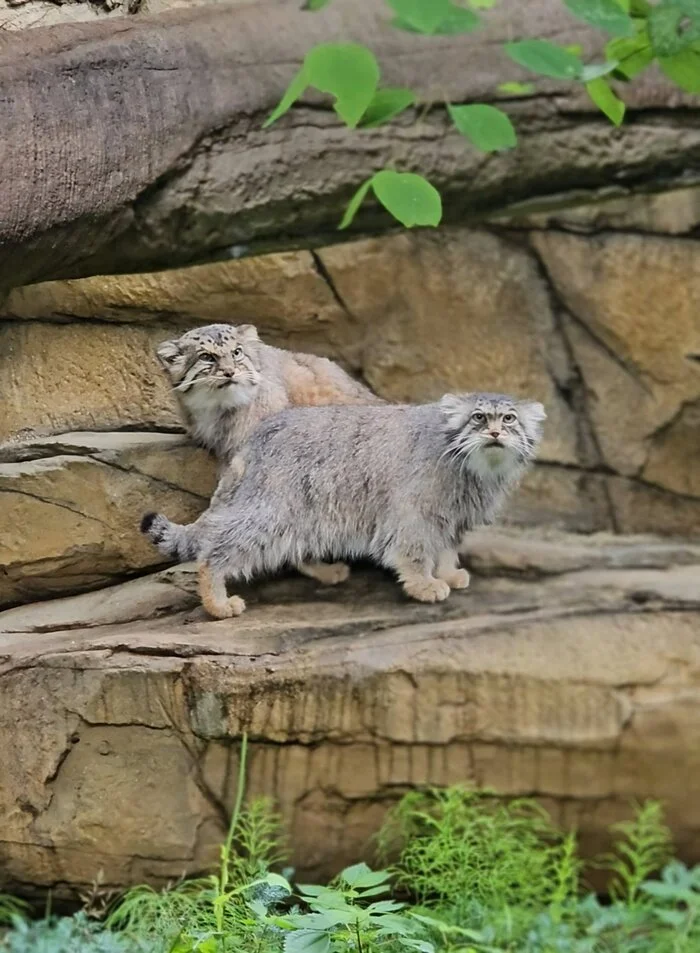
{"x": 227, "y": 381}
{"x": 399, "y": 484}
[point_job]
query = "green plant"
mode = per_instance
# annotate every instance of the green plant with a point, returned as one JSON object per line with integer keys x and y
{"x": 11, "y": 908}
{"x": 345, "y": 916}
{"x": 641, "y": 849}
{"x": 72, "y": 935}
{"x": 641, "y": 33}
{"x": 490, "y": 876}
{"x": 460, "y": 848}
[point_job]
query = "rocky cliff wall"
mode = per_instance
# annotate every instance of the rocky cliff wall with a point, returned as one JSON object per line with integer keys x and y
{"x": 595, "y": 310}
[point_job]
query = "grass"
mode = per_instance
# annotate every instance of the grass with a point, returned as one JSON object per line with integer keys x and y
{"x": 464, "y": 872}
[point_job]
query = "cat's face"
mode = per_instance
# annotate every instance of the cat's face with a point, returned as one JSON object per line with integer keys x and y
{"x": 214, "y": 365}
{"x": 492, "y": 433}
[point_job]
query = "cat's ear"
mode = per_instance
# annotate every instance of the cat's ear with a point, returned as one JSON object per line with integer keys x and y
{"x": 168, "y": 353}
{"x": 456, "y": 409}
{"x": 247, "y": 333}
{"x": 533, "y": 410}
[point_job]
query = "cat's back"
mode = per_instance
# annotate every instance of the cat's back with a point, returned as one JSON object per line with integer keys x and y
{"x": 343, "y": 432}
{"x": 310, "y": 380}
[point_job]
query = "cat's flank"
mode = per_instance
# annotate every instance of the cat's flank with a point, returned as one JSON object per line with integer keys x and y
{"x": 398, "y": 484}
{"x": 227, "y": 381}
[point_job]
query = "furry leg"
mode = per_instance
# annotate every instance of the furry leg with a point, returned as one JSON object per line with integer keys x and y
{"x": 448, "y": 569}
{"x": 417, "y": 580}
{"x": 212, "y": 591}
{"x": 330, "y": 574}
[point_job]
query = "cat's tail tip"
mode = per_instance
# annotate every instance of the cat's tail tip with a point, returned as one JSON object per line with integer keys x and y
{"x": 170, "y": 538}
{"x": 147, "y": 521}
{"x": 155, "y": 526}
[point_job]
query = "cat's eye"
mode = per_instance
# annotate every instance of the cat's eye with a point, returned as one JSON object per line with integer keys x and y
{"x": 509, "y": 418}
{"x": 207, "y": 358}
{"x": 238, "y": 352}
{"x": 478, "y": 417}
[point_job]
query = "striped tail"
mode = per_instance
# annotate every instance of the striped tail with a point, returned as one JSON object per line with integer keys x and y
{"x": 172, "y": 539}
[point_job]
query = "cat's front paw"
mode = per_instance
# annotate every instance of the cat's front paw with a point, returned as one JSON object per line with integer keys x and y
{"x": 229, "y": 609}
{"x": 427, "y": 590}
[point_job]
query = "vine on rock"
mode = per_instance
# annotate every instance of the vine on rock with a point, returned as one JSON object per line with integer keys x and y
{"x": 640, "y": 34}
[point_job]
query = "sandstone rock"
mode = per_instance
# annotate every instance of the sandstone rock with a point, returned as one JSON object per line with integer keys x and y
{"x": 83, "y": 376}
{"x": 637, "y": 304}
{"x": 459, "y": 310}
{"x": 282, "y": 293}
{"x": 570, "y": 672}
{"x": 69, "y": 516}
{"x": 642, "y": 508}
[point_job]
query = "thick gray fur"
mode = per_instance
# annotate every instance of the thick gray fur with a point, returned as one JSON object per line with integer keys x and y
{"x": 398, "y": 484}
{"x": 226, "y": 381}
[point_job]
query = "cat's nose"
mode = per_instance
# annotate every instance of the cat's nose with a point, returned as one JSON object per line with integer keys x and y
{"x": 228, "y": 373}
{"x": 494, "y": 434}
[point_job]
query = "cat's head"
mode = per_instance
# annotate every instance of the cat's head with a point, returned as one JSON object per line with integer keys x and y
{"x": 217, "y": 364}
{"x": 492, "y": 434}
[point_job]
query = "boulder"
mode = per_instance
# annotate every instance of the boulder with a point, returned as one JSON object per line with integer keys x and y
{"x": 569, "y": 671}
{"x": 70, "y": 507}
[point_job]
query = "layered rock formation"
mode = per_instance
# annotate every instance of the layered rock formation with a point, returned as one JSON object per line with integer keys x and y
{"x": 569, "y": 671}
{"x": 595, "y": 311}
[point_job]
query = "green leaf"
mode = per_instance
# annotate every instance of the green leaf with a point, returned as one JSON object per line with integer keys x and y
{"x": 360, "y": 875}
{"x": 307, "y": 941}
{"x": 424, "y": 16}
{"x": 517, "y": 89}
{"x": 386, "y": 104}
{"x": 548, "y": 59}
{"x": 277, "y": 880}
{"x": 295, "y": 89}
{"x": 211, "y": 945}
{"x": 605, "y": 99}
{"x": 683, "y": 69}
{"x": 385, "y": 906}
{"x": 482, "y": 4}
{"x": 605, "y": 14}
{"x": 458, "y": 20}
{"x": 409, "y": 198}
{"x": 314, "y": 890}
{"x": 674, "y": 26}
{"x": 316, "y": 4}
{"x": 632, "y": 55}
{"x": 594, "y": 70}
{"x": 486, "y": 127}
{"x": 354, "y": 204}
{"x": 373, "y": 891}
{"x": 257, "y": 907}
{"x": 347, "y": 71}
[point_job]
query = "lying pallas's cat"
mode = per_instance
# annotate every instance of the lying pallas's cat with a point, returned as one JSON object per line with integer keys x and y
{"x": 398, "y": 484}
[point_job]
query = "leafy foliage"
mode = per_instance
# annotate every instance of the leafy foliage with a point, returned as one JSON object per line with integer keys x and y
{"x": 642, "y": 847}
{"x": 345, "y": 915}
{"x": 72, "y": 935}
{"x": 490, "y": 876}
{"x": 666, "y": 32}
{"x": 458, "y": 846}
